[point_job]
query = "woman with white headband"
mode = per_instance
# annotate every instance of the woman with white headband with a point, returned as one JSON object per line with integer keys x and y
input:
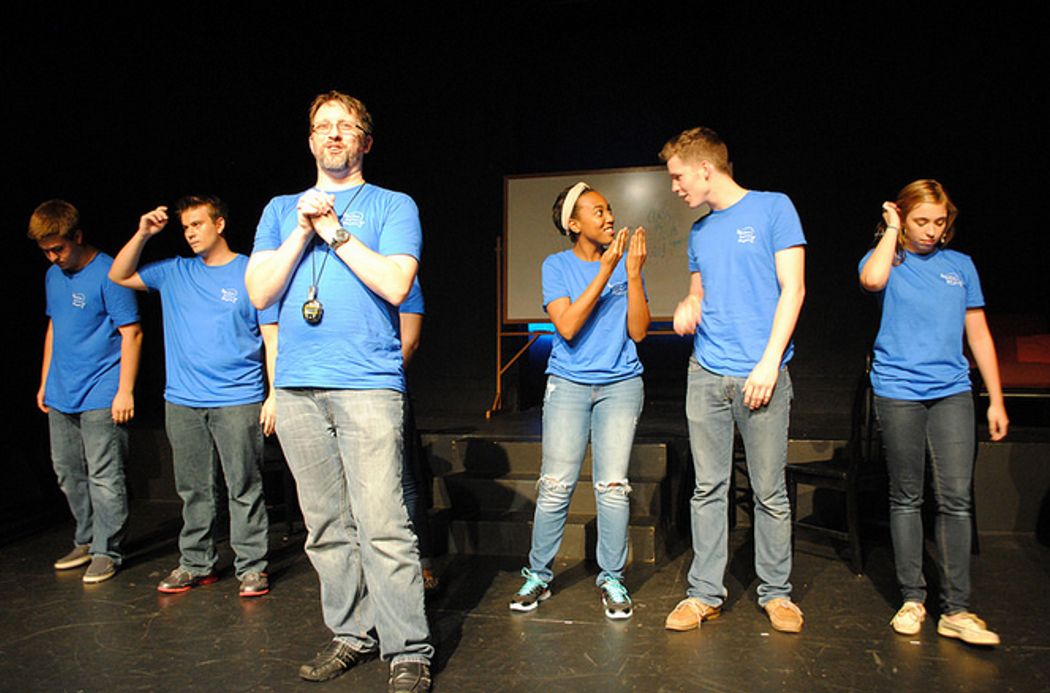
{"x": 595, "y": 297}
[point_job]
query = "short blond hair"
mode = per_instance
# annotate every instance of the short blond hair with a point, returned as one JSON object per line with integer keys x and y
{"x": 696, "y": 145}
{"x": 54, "y": 218}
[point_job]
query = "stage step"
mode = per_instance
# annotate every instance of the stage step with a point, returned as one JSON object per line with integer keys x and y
{"x": 510, "y": 534}
{"x": 485, "y": 496}
{"x": 484, "y": 457}
{"x": 513, "y": 492}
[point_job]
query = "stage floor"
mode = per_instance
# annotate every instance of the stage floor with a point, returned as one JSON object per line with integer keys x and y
{"x": 59, "y": 634}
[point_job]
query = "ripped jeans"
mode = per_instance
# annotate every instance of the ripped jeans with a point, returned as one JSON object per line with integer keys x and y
{"x": 572, "y": 413}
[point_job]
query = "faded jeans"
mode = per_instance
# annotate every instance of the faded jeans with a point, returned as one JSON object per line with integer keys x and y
{"x": 200, "y": 438}
{"x": 88, "y": 451}
{"x": 572, "y": 413}
{"x": 713, "y": 404}
{"x": 944, "y": 428}
{"x": 344, "y": 449}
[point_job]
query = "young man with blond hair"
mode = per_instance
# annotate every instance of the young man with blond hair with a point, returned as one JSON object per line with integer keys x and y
{"x": 91, "y": 357}
{"x": 746, "y": 260}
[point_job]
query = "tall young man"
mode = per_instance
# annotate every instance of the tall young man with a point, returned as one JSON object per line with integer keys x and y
{"x": 338, "y": 259}
{"x": 746, "y": 260}
{"x": 214, "y": 350}
{"x": 91, "y": 358}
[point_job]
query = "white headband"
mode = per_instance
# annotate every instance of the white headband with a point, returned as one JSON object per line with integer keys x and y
{"x": 570, "y": 202}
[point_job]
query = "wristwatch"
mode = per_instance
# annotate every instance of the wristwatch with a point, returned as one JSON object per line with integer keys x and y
{"x": 340, "y": 237}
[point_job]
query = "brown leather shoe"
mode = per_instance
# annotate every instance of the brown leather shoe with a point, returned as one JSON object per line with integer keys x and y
{"x": 690, "y": 613}
{"x": 785, "y": 615}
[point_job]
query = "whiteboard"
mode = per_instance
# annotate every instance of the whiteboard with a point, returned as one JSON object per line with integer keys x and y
{"x": 638, "y": 196}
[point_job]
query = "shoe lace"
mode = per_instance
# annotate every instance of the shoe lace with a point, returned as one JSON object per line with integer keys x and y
{"x": 615, "y": 591}
{"x": 532, "y": 583}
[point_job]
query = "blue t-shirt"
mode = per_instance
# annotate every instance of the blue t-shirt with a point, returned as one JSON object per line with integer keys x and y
{"x": 356, "y": 344}
{"x": 213, "y": 349}
{"x": 413, "y": 303}
{"x": 86, "y": 309}
{"x": 601, "y": 352}
{"x": 734, "y": 251}
{"x": 918, "y": 350}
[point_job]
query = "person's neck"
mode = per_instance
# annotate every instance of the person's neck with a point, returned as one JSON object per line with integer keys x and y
{"x": 340, "y": 180}
{"x": 86, "y": 256}
{"x": 587, "y": 251}
{"x": 217, "y": 256}
{"x": 725, "y": 193}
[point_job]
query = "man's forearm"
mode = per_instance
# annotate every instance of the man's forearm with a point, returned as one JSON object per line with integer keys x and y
{"x": 126, "y": 263}
{"x": 388, "y": 276}
{"x": 130, "y": 352}
{"x": 269, "y": 271}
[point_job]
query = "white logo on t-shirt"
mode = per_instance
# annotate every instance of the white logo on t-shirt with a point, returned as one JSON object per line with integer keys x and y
{"x": 229, "y": 295}
{"x": 745, "y": 235}
{"x": 951, "y": 279}
{"x": 79, "y": 300}
{"x": 354, "y": 218}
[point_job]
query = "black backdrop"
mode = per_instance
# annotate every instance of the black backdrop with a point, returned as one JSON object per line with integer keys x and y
{"x": 121, "y": 109}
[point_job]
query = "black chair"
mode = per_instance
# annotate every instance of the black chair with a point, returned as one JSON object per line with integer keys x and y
{"x": 857, "y": 469}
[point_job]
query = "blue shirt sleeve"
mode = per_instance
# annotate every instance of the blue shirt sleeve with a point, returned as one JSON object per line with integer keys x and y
{"x": 694, "y": 262}
{"x": 402, "y": 233}
{"x": 120, "y": 303}
{"x": 268, "y": 233}
{"x": 154, "y": 273}
{"x": 974, "y": 295}
{"x": 554, "y": 285}
{"x": 413, "y": 303}
{"x": 787, "y": 227}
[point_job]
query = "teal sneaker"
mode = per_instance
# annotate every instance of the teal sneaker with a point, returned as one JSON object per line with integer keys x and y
{"x": 616, "y": 601}
{"x": 531, "y": 593}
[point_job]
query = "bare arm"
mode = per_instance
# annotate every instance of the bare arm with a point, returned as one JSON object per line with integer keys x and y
{"x": 268, "y": 413}
{"x": 876, "y": 271}
{"x": 569, "y": 317}
{"x": 130, "y": 350}
{"x": 791, "y": 271}
{"x": 49, "y": 337}
{"x": 687, "y": 313}
{"x": 269, "y": 271}
{"x": 637, "y": 307}
{"x": 411, "y": 335}
{"x": 389, "y": 276}
{"x": 983, "y": 349}
{"x": 124, "y": 270}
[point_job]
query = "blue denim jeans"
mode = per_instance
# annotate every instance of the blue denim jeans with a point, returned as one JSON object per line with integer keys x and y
{"x": 944, "y": 428}
{"x": 200, "y": 438}
{"x": 572, "y": 413}
{"x": 413, "y": 483}
{"x": 713, "y": 404}
{"x": 88, "y": 451}
{"x": 344, "y": 448}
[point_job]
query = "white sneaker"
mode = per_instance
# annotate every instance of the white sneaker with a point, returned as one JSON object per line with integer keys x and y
{"x": 908, "y": 620}
{"x": 968, "y": 628}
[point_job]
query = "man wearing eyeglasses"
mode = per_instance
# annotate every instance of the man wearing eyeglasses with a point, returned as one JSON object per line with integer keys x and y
{"x": 338, "y": 259}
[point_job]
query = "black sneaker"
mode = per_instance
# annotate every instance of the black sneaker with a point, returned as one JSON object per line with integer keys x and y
{"x": 336, "y": 658}
{"x": 409, "y": 677}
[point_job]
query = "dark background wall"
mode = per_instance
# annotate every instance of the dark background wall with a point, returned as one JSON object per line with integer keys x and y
{"x": 119, "y": 110}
